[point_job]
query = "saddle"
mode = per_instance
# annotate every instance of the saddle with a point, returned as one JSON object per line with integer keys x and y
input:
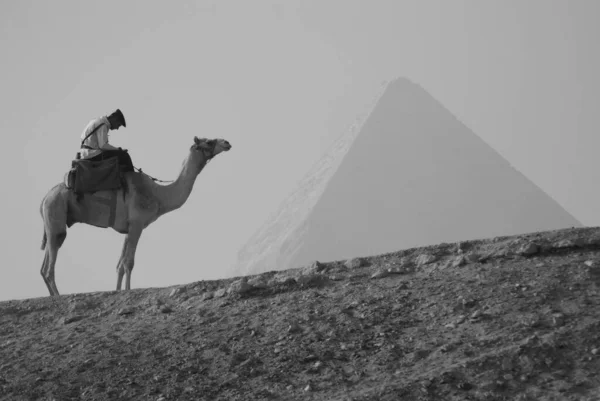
{"x": 86, "y": 176}
{"x": 92, "y": 177}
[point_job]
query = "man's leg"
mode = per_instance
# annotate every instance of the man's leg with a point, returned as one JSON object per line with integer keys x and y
{"x": 125, "y": 161}
{"x": 105, "y": 154}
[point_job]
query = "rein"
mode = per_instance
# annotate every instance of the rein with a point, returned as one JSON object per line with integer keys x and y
{"x": 152, "y": 178}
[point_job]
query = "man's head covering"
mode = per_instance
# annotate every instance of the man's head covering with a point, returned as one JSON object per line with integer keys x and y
{"x": 118, "y": 115}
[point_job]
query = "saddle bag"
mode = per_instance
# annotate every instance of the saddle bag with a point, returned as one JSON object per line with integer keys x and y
{"x": 91, "y": 176}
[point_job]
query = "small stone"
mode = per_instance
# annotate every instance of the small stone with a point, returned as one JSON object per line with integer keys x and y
{"x": 380, "y": 274}
{"x": 558, "y": 319}
{"x": 595, "y": 351}
{"x": 594, "y": 241}
{"x": 472, "y": 258}
{"x": 398, "y": 270}
{"x": 317, "y": 266}
{"x": 589, "y": 263}
{"x": 445, "y": 348}
{"x": 239, "y": 287}
{"x": 531, "y": 340}
{"x": 450, "y": 326}
{"x": 77, "y": 306}
{"x": 529, "y": 249}
{"x": 220, "y": 293}
{"x": 176, "y": 291}
{"x": 476, "y": 315}
{"x": 125, "y": 311}
{"x": 401, "y": 286}
{"x": 74, "y": 318}
{"x": 563, "y": 244}
{"x": 406, "y": 261}
{"x": 166, "y": 309}
{"x": 294, "y": 328}
{"x": 459, "y": 261}
{"x": 312, "y": 280}
{"x": 467, "y": 302}
{"x": 424, "y": 259}
{"x": 507, "y": 364}
{"x": 461, "y": 319}
{"x": 257, "y": 282}
{"x": 461, "y": 247}
{"x": 507, "y": 377}
{"x": 308, "y": 388}
{"x": 281, "y": 279}
{"x": 353, "y": 263}
{"x": 464, "y": 386}
{"x": 208, "y": 295}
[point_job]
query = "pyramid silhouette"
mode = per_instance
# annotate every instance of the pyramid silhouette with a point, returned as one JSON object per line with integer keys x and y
{"x": 413, "y": 175}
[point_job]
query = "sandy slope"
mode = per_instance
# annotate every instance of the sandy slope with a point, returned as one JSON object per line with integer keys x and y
{"x": 476, "y": 320}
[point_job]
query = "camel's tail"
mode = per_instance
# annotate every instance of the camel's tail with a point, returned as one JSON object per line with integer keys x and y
{"x": 44, "y": 241}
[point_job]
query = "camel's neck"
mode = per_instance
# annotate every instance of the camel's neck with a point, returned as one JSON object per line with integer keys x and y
{"x": 174, "y": 195}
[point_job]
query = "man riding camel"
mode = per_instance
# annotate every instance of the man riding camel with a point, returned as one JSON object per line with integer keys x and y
{"x": 95, "y": 146}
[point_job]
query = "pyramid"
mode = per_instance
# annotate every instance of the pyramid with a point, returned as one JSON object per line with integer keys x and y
{"x": 411, "y": 175}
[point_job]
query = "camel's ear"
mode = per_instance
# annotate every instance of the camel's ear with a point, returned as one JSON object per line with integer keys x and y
{"x": 197, "y": 140}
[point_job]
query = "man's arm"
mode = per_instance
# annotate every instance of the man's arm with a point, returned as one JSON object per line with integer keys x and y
{"x": 102, "y": 135}
{"x": 108, "y": 146}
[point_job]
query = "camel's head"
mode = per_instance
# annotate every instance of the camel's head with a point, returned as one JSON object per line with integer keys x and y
{"x": 210, "y": 147}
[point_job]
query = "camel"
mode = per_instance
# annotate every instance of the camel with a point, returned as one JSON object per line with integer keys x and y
{"x": 134, "y": 207}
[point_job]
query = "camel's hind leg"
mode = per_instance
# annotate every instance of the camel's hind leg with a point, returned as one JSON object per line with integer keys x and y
{"x": 54, "y": 210}
{"x": 43, "y": 272}
{"x": 51, "y": 252}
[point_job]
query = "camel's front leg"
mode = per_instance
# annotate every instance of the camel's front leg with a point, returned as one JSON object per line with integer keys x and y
{"x": 48, "y": 273}
{"x": 120, "y": 265}
{"x": 127, "y": 259}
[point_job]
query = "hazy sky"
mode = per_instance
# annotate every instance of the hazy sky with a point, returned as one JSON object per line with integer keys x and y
{"x": 280, "y": 80}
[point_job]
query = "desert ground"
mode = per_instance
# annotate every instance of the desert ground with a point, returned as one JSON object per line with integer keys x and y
{"x": 508, "y": 318}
